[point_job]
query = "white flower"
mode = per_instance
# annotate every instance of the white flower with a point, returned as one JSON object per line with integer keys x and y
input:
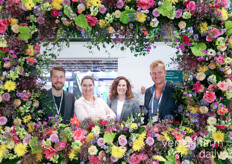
{"x": 200, "y": 76}
{"x": 96, "y": 130}
{"x": 211, "y": 128}
{"x": 227, "y": 70}
{"x": 203, "y": 109}
{"x": 211, "y": 120}
{"x": 223, "y": 155}
{"x": 117, "y": 14}
{"x": 92, "y": 150}
{"x": 211, "y": 52}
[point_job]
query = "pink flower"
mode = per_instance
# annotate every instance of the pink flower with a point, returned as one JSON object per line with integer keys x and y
{"x": 144, "y": 30}
{"x": 3, "y": 26}
{"x": 134, "y": 159}
{"x": 142, "y": 157}
{"x": 50, "y": 152}
{"x": 222, "y": 111}
{"x": 94, "y": 160}
{"x": 213, "y": 33}
{"x": 209, "y": 97}
{"x": 79, "y": 134}
{"x": 178, "y": 13}
{"x": 61, "y": 145}
{"x": 223, "y": 85}
{"x": 212, "y": 87}
{"x": 197, "y": 87}
{"x": 100, "y": 142}
{"x": 150, "y": 141}
{"x": 122, "y": 141}
{"x": 54, "y": 138}
{"x": 120, "y": 4}
{"x": 220, "y": 59}
{"x": 92, "y": 20}
{"x": 3, "y": 120}
{"x": 155, "y": 12}
{"x": 102, "y": 9}
{"x": 191, "y": 6}
{"x": 27, "y": 139}
{"x": 145, "y": 4}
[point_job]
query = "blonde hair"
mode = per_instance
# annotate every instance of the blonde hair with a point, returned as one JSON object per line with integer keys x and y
{"x": 156, "y": 63}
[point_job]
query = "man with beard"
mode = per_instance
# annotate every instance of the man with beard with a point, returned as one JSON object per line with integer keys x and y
{"x": 57, "y": 100}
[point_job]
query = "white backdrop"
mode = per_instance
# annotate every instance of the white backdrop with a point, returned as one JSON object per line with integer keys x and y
{"x": 136, "y": 69}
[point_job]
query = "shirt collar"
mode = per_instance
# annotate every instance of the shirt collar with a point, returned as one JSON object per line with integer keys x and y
{"x": 153, "y": 88}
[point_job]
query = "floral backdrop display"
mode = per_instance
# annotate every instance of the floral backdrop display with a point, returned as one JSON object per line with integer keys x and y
{"x": 201, "y": 31}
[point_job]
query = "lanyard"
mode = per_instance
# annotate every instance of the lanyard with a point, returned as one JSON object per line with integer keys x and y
{"x": 159, "y": 101}
{"x": 58, "y": 110}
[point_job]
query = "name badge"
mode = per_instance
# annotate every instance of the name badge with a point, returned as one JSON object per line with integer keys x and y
{"x": 155, "y": 118}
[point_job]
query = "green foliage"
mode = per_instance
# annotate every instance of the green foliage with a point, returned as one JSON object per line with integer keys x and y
{"x": 109, "y": 137}
{"x": 197, "y": 50}
{"x": 167, "y": 10}
{"x": 228, "y": 25}
{"x": 125, "y": 15}
{"x": 24, "y": 33}
{"x": 81, "y": 21}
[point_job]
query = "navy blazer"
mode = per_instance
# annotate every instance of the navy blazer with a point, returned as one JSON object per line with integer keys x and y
{"x": 49, "y": 108}
{"x": 130, "y": 106}
{"x": 167, "y": 105}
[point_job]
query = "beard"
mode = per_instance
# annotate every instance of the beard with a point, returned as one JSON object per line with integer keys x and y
{"x": 58, "y": 88}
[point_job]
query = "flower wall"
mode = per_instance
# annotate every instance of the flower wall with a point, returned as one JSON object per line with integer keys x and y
{"x": 200, "y": 31}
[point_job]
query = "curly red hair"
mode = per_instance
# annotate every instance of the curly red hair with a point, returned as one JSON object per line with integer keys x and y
{"x": 113, "y": 88}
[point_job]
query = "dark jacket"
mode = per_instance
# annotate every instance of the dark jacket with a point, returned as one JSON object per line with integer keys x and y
{"x": 167, "y": 105}
{"x": 130, "y": 106}
{"x": 49, "y": 108}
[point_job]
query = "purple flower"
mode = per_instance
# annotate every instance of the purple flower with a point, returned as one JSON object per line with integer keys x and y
{"x": 100, "y": 142}
{"x": 113, "y": 159}
{"x": 3, "y": 120}
{"x": 178, "y": 13}
{"x": 155, "y": 12}
{"x": 191, "y": 145}
{"x": 41, "y": 20}
{"x": 122, "y": 141}
{"x": 159, "y": 3}
{"x": 66, "y": 2}
{"x": 230, "y": 135}
{"x": 120, "y": 4}
{"x": 27, "y": 139}
{"x": 54, "y": 138}
{"x": 102, "y": 9}
{"x": 6, "y": 96}
{"x": 150, "y": 141}
{"x": 195, "y": 36}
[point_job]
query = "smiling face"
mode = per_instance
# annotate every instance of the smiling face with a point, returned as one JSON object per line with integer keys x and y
{"x": 57, "y": 79}
{"x": 122, "y": 87}
{"x": 87, "y": 87}
{"x": 158, "y": 74}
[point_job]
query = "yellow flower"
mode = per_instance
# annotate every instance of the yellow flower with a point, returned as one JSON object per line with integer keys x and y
{"x": 29, "y": 4}
{"x": 173, "y": 1}
{"x": 20, "y": 149}
{"x": 218, "y": 136}
{"x": 189, "y": 130}
{"x": 182, "y": 149}
{"x": 118, "y": 152}
{"x": 13, "y": 21}
{"x": 2, "y": 149}
{"x": 133, "y": 126}
{"x": 194, "y": 110}
{"x": 57, "y": 4}
{"x": 30, "y": 50}
{"x": 142, "y": 136}
{"x": 203, "y": 27}
{"x": 102, "y": 23}
{"x": 30, "y": 127}
{"x": 141, "y": 17}
{"x": 26, "y": 118}
{"x": 10, "y": 85}
{"x": 90, "y": 137}
{"x": 137, "y": 145}
{"x": 72, "y": 154}
{"x": 202, "y": 68}
{"x": 230, "y": 42}
{"x": 159, "y": 158}
{"x": 39, "y": 156}
{"x": 94, "y": 3}
{"x": 222, "y": 14}
{"x": 166, "y": 136}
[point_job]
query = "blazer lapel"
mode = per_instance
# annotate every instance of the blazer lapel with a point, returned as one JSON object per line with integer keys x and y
{"x": 66, "y": 106}
{"x": 124, "y": 108}
{"x": 51, "y": 102}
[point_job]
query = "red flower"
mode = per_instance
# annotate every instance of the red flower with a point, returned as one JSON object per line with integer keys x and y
{"x": 2, "y": 26}
{"x": 91, "y": 126}
{"x": 101, "y": 122}
{"x": 50, "y": 152}
{"x": 30, "y": 60}
{"x": 4, "y": 49}
{"x": 197, "y": 87}
{"x": 92, "y": 20}
{"x": 94, "y": 160}
{"x": 144, "y": 30}
{"x": 175, "y": 122}
{"x": 186, "y": 39}
{"x": 221, "y": 127}
{"x": 75, "y": 121}
{"x": 48, "y": 131}
{"x": 55, "y": 12}
{"x": 178, "y": 136}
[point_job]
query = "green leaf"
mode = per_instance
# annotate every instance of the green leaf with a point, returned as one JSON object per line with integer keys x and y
{"x": 67, "y": 11}
{"x": 35, "y": 145}
{"x": 124, "y": 16}
{"x": 24, "y": 33}
{"x": 165, "y": 8}
{"x": 228, "y": 25}
{"x": 198, "y": 48}
{"x": 81, "y": 21}
{"x": 109, "y": 137}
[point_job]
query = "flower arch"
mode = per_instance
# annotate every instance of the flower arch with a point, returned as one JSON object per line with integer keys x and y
{"x": 200, "y": 30}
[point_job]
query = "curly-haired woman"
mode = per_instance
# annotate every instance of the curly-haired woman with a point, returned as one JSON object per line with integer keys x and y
{"x": 121, "y": 99}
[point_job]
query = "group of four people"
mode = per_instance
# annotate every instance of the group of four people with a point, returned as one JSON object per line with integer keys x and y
{"x": 158, "y": 101}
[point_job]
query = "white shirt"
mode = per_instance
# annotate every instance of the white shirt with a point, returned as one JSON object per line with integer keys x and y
{"x": 119, "y": 109}
{"x": 140, "y": 98}
{"x": 84, "y": 109}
